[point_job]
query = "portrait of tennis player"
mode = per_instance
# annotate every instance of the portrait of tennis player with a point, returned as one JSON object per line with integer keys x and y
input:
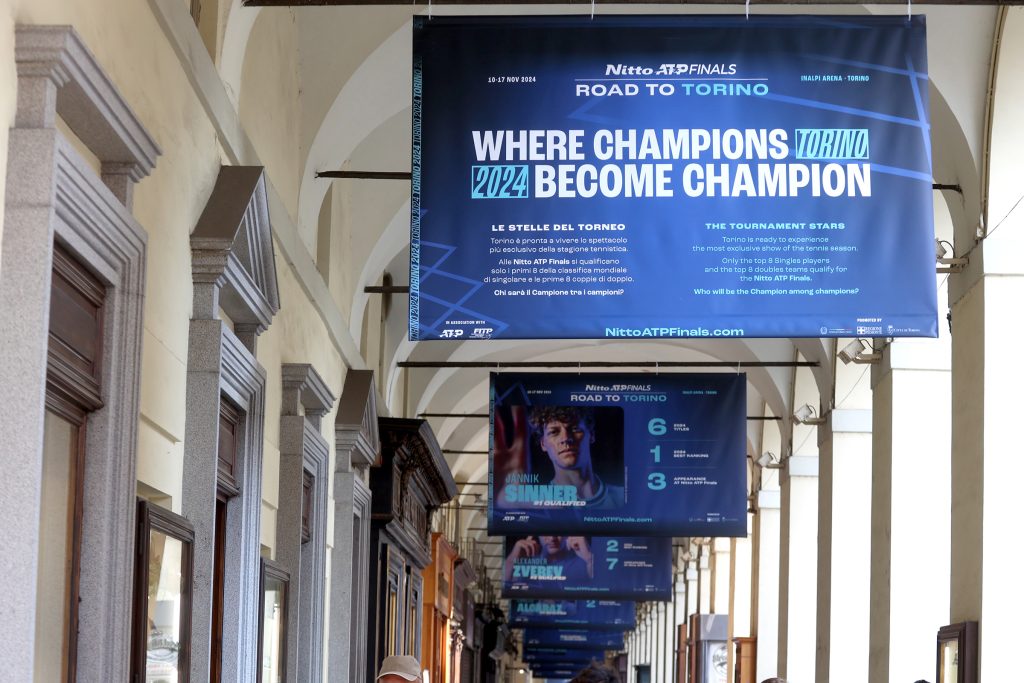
{"x": 550, "y": 457}
{"x": 548, "y": 559}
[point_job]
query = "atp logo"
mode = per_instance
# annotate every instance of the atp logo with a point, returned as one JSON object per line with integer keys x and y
{"x": 452, "y": 334}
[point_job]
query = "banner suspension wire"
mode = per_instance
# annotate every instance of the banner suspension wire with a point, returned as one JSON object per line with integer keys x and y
{"x": 748, "y": 9}
{"x": 430, "y": 10}
{"x": 908, "y": 9}
{"x": 593, "y": 5}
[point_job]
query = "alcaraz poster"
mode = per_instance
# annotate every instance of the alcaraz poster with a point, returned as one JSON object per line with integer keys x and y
{"x": 671, "y": 176}
{"x": 596, "y": 615}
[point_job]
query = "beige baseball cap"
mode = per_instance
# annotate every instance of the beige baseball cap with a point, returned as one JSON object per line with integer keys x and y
{"x": 400, "y": 665}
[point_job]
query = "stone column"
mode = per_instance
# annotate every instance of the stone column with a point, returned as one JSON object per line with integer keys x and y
{"x": 720, "y": 575}
{"x": 357, "y": 445}
{"x": 910, "y": 509}
{"x": 797, "y": 568}
{"x": 25, "y": 264}
{"x": 844, "y": 558}
{"x": 987, "y": 331}
{"x": 767, "y": 528}
{"x": 704, "y": 584}
{"x": 742, "y": 597}
{"x": 679, "y": 617}
{"x": 631, "y": 643}
{"x": 692, "y": 599}
{"x": 305, "y": 398}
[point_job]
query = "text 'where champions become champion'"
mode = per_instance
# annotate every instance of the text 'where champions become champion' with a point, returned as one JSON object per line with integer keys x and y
{"x": 750, "y": 162}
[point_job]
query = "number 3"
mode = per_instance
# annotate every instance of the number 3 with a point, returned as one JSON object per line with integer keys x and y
{"x": 656, "y": 481}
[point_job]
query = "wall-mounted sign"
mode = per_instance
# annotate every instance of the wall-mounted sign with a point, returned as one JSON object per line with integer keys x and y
{"x": 617, "y": 454}
{"x": 587, "y": 567}
{"x": 671, "y": 176}
{"x": 597, "y": 615}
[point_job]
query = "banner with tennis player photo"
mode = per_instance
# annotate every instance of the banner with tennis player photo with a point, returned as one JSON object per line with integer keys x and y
{"x": 582, "y": 567}
{"x": 618, "y": 454}
{"x": 596, "y": 615}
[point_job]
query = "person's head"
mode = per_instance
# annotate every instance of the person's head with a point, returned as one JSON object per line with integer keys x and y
{"x": 774, "y": 680}
{"x": 399, "y": 669}
{"x": 565, "y": 434}
{"x": 552, "y": 545}
{"x": 597, "y": 673}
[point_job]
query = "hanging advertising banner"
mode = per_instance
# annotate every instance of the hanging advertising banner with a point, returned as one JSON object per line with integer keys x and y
{"x": 573, "y": 638}
{"x": 610, "y": 454}
{"x": 544, "y": 656}
{"x": 671, "y": 176}
{"x": 596, "y": 615}
{"x": 587, "y": 567}
{"x": 558, "y": 673}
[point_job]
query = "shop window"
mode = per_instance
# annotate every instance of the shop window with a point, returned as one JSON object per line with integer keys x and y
{"x": 227, "y": 448}
{"x": 72, "y": 392}
{"x": 414, "y": 596}
{"x": 392, "y": 625}
{"x": 59, "y": 547}
{"x": 76, "y": 337}
{"x": 162, "y": 611}
{"x": 227, "y": 488}
{"x": 273, "y": 622}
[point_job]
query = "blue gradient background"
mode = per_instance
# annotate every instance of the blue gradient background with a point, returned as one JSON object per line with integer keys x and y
{"x": 893, "y": 229}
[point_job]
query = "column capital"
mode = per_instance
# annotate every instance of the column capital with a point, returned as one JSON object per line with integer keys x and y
{"x": 801, "y": 466}
{"x": 769, "y": 500}
{"x": 912, "y": 354}
{"x": 850, "y": 420}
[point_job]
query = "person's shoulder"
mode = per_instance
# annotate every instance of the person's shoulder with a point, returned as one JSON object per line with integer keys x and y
{"x": 608, "y": 497}
{"x": 616, "y": 495}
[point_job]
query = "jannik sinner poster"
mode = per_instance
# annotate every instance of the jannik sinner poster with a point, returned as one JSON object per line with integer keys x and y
{"x": 668, "y": 177}
{"x": 618, "y": 453}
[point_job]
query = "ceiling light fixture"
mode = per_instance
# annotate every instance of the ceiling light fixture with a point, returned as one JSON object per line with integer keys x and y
{"x": 953, "y": 265}
{"x": 855, "y": 352}
{"x": 805, "y": 415}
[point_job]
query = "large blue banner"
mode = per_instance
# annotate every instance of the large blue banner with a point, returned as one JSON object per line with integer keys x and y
{"x": 610, "y": 454}
{"x": 596, "y": 615}
{"x": 569, "y": 639}
{"x": 587, "y": 567}
{"x": 671, "y": 176}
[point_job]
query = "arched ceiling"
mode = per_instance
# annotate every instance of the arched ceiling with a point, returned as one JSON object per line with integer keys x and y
{"x": 356, "y": 113}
